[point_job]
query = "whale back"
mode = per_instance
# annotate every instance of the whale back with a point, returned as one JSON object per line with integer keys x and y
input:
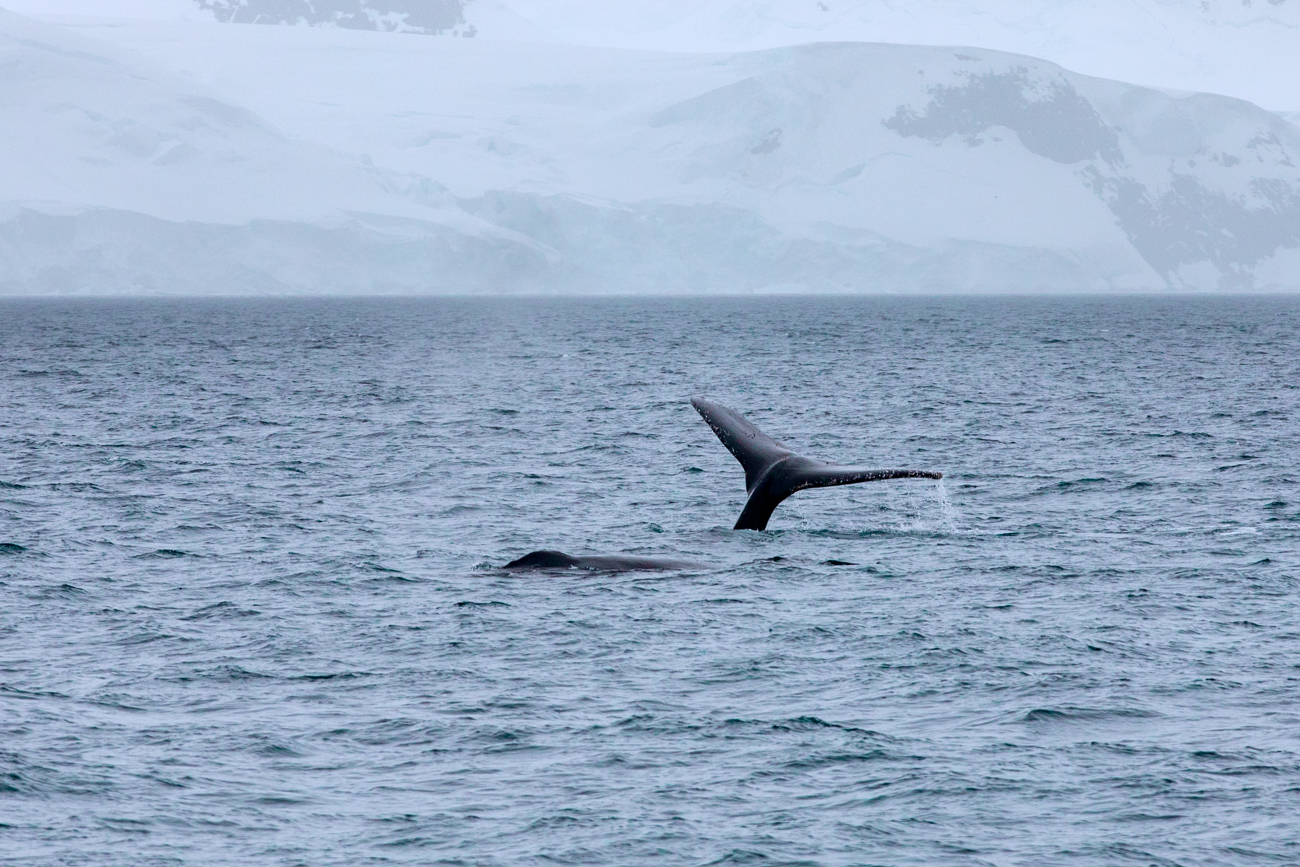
{"x": 599, "y": 562}
{"x": 543, "y": 560}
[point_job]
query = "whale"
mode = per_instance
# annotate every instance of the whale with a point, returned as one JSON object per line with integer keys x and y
{"x": 597, "y": 562}
{"x": 774, "y": 472}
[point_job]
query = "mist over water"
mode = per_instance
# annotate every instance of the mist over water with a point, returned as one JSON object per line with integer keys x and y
{"x": 251, "y": 610}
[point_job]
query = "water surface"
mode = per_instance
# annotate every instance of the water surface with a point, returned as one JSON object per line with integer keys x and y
{"x": 250, "y": 609}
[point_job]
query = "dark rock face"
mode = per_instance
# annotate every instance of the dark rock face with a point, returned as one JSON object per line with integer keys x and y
{"x": 418, "y": 16}
{"x": 1187, "y": 223}
{"x": 1228, "y": 199}
{"x": 1053, "y": 120}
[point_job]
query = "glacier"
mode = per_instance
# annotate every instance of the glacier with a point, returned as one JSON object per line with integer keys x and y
{"x": 169, "y": 146}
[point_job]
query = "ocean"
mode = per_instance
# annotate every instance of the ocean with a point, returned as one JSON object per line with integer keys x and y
{"x": 252, "y": 610}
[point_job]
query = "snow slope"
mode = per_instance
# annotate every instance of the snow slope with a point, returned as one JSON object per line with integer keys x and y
{"x": 119, "y": 176}
{"x": 170, "y": 153}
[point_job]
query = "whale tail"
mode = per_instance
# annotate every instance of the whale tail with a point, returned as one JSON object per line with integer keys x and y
{"x": 773, "y": 472}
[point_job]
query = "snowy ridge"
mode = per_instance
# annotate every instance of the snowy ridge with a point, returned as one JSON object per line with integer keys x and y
{"x": 173, "y": 155}
{"x": 1244, "y": 48}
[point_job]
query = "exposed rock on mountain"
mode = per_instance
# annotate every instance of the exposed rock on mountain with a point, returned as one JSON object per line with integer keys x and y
{"x": 413, "y": 16}
{"x": 1197, "y": 183}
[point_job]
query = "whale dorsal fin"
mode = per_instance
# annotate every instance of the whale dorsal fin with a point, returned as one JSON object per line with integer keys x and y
{"x": 755, "y": 450}
{"x": 773, "y": 472}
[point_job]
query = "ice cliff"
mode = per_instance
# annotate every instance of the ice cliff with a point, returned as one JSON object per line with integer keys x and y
{"x": 170, "y": 153}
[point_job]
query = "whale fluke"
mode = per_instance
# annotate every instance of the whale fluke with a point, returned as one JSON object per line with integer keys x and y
{"x": 773, "y": 472}
{"x": 597, "y": 562}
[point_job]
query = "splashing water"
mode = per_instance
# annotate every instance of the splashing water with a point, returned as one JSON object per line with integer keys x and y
{"x": 948, "y": 518}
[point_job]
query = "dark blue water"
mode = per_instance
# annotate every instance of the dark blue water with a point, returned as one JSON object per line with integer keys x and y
{"x": 250, "y": 611}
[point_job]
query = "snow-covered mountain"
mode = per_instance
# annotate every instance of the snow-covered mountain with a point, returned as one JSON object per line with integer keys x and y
{"x": 167, "y": 153}
{"x": 118, "y": 176}
{"x": 1249, "y": 49}
{"x": 1244, "y": 48}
